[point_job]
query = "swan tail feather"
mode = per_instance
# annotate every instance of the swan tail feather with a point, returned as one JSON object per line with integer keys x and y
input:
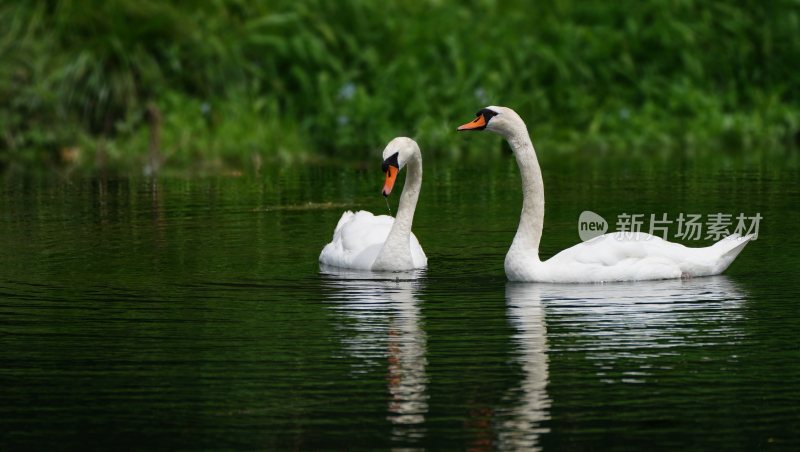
{"x": 728, "y": 248}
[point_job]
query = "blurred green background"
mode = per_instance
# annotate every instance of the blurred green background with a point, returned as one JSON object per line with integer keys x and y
{"x": 234, "y": 84}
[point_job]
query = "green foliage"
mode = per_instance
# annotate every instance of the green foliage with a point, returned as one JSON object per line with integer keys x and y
{"x": 240, "y": 79}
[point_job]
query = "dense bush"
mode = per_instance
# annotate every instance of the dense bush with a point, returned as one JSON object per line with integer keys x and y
{"x": 236, "y": 81}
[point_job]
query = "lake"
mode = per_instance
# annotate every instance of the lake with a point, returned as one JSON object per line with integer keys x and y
{"x": 186, "y": 313}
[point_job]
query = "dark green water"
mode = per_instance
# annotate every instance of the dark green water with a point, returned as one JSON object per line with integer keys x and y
{"x": 138, "y": 314}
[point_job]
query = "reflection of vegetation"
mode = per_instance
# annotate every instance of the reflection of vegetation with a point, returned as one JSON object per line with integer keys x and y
{"x": 240, "y": 81}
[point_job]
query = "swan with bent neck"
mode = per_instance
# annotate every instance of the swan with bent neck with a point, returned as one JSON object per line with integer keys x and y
{"x": 364, "y": 241}
{"x": 620, "y": 256}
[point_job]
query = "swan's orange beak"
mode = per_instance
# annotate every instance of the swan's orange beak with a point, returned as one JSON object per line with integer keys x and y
{"x": 391, "y": 176}
{"x": 477, "y": 124}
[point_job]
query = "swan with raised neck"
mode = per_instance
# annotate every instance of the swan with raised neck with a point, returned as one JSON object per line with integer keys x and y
{"x": 611, "y": 257}
{"x": 396, "y": 251}
{"x": 363, "y": 241}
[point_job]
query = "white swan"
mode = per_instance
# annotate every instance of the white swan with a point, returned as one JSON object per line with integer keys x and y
{"x": 363, "y": 241}
{"x": 611, "y": 257}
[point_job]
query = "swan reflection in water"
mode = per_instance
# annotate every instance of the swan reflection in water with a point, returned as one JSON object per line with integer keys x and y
{"x": 386, "y": 319}
{"x": 621, "y": 320}
{"x": 647, "y": 320}
{"x": 522, "y": 423}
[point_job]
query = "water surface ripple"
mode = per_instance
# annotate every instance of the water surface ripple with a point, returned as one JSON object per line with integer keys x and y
{"x": 193, "y": 314}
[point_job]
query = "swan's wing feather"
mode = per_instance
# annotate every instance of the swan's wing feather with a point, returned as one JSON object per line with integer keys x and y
{"x": 357, "y": 240}
{"x": 614, "y": 249}
{"x": 418, "y": 256}
{"x": 619, "y": 256}
{"x": 347, "y": 216}
{"x": 365, "y": 229}
{"x": 625, "y": 256}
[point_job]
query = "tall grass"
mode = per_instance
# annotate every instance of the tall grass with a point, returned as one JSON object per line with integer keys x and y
{"x": 238, "y": 82}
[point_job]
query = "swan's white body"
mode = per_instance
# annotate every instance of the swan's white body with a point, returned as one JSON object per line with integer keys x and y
{"x": 364, "y": 241}
{"x": 610, "y": 257}
{"x": 360, "y": 237}
{"x": 623, "y": 257}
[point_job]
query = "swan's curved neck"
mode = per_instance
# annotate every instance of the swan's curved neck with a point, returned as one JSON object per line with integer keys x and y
{"x": 401, "y": 230}
{"x": 397, "y": 247}
{"x": 529, "y": 231}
